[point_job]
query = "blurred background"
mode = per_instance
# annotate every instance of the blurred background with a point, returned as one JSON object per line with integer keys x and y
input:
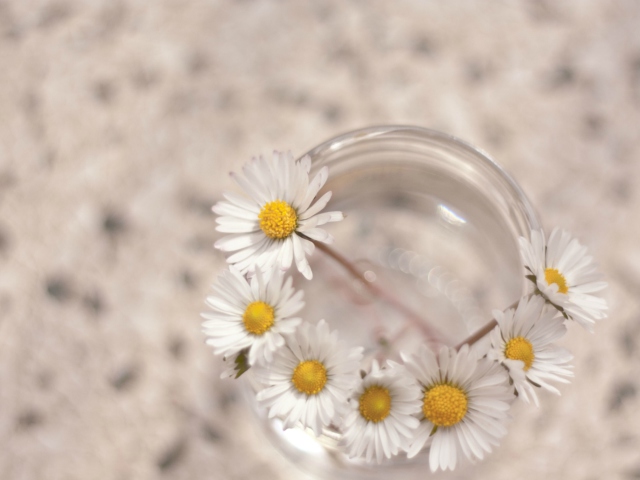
{"x": 119, "y": 120}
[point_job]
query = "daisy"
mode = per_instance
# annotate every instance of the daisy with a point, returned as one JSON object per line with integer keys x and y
{"x": 310, "y": 378}
{"x": 251, "y": 314}
{"x": 523, "y": 342}
{"x": 276, "y": 225}
{"x": 382, "y": 418}
{"x": 464, "y": 404}
{"x": 565, "y": 275}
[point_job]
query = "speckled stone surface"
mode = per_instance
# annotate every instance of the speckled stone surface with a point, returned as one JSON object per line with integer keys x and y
{"x": 118, "y": 123}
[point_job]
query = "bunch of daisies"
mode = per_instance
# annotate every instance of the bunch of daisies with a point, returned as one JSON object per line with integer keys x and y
{"x": 453, "y": 402}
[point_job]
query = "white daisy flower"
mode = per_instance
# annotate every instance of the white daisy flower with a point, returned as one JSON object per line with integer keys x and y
{"x": 565, "y": 275}
{"x": 523, "y": 342}
{"x": 464, "y": 405}
{"x": 275, "y": 225}
{"x": 382, "y": 418}
{"x": 251, "y": 314}
{"x": 310, "y": 378}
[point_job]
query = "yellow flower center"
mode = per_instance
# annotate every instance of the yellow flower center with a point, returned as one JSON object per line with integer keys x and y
{"x": 551, "y": 275}
{"x": 375, "y": 403}
{"x": 310, "y": 377}
{"x": 444, "y": 405}
{"x": 278, "y": 219}
{"x": 258, "y": 318}
{"x": 519, "y": 348}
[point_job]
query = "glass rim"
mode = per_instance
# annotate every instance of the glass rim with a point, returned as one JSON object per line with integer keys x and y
{"x": 356, "y": 136}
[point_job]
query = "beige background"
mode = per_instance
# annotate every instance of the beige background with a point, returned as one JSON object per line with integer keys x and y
{"x": 118, "y": 123}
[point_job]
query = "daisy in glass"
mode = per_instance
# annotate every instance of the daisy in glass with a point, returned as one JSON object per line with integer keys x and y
{"x": 276, "y": 224}
{"x": 523, "y": 342}
{"x": 565, "y": 275}
{"x": 251, "y": 314}
{"x": 464, "y": 405}
{"x": 382, "y": 419}
{"x": 310, "y": 378}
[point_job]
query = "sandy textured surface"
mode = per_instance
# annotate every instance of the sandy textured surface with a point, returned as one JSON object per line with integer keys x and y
{"x": 118, "y": 123}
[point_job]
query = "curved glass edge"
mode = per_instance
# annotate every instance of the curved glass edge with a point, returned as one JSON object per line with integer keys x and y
{"x": 360, "y": 135}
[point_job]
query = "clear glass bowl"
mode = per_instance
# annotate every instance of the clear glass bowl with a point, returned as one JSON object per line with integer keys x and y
{"x": 434, "y": 223}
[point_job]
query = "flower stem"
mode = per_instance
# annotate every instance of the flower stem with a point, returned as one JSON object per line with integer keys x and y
{"x": 479, "y": 334}
{"x": 430, "y": 332}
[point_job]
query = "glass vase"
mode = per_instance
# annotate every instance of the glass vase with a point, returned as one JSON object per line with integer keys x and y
{"x": 434, "y": 224}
